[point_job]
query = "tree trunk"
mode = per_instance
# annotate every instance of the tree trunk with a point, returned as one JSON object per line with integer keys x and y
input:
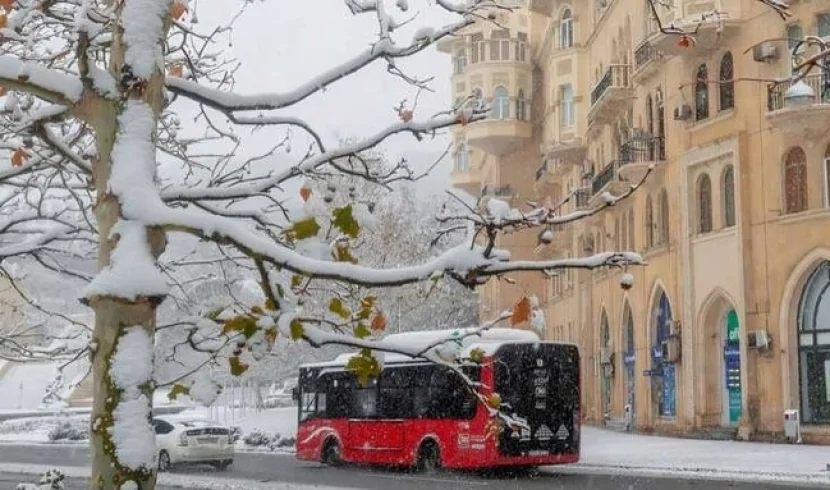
{"x": 114, "y": 316}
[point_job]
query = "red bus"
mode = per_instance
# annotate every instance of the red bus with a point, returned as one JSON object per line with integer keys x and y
{"x": 421, "y": 414}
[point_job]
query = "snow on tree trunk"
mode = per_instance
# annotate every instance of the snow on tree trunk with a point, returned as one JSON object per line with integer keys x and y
{"x": 126, "y": 292}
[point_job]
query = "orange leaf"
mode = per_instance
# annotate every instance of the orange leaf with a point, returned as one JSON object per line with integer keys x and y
{"x": 406, "y": 116}
{"x": 7, "y": 4}
{"x": 177, "y": 71}
{"x": 3, "y": 20}
{"x": 177, "y": 10}
{"x": 305, "y": 192}
{"x": 521, "y": 312}
{"x": 3, "y": 91}
{"x": 378, "y": 322}
{"x": 18, "y": 157}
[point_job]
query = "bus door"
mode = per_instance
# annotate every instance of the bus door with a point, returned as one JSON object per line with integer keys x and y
{"x": 372, "y": 436}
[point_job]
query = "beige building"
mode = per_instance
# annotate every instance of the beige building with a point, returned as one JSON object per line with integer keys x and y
{"x": 729, "y": 324}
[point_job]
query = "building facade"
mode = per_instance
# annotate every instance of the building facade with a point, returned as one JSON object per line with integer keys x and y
{"x": 728, "y": 325}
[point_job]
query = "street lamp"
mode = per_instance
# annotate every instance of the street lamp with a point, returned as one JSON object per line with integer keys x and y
{"x": 799, "y": 95}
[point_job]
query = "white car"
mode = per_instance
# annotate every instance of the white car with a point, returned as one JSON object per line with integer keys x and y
{"x": 193, "y": 441}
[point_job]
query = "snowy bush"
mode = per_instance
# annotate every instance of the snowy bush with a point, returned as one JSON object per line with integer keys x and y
{"x": 69, "y": 430}
{"x": 51, "y": 480}
{"x": 265, "y": 440}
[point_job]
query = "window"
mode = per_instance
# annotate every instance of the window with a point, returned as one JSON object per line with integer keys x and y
{"x": 632, "y": 244}
{"x": 649, "y": 109}
{"x": 568, "y": 109}
{"x": 521, "y": 47}
{"x": 478, "y": 99}
{"x": 501, "y": 104}
{"x": 664, "y": 218}
{"x": 500, "y": 45}
{"x": 702, "y": 93}
{"x": 795, "y": 181}
{"x": 462, "y": 158}
{"x": 477, "y": 43}
{"x": 814, "y": 346}
{"x": 521, "y": 106}
{"x": 729, "y": 196}
{"x": 823, "y": 25}
{"x": 727, "y": 82}
{"x": 460, "y": 62}
{"x": 162, "y": 427}
{"x": 566, "y": 30}
{"x": 794, "y": 34}
{"x": 704, "y": 204}
{"x": 649, "y": 223}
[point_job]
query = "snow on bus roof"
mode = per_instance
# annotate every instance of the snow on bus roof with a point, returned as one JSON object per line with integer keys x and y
{"x": 488, "y": 341}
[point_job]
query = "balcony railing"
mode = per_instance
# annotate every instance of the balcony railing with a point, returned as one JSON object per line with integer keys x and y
{"x": 643, "y": 150}
{"x": 644, "y": 54}
{"x": 502, "y": 191}
{"x": 617, "y": 76}
{"x": 604, "y": 177}
{"x": 498, "y": 50}
{"x": 541, "y": 170}
{"x": 581, "y": 197}
{"x": 820, "y": 83}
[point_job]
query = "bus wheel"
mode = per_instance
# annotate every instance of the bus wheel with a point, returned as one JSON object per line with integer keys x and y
{"x": 331, "y": 453}
{"x": 429, "y": 458}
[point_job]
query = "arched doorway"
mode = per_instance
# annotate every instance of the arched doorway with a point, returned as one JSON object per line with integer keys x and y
{"x": 663, "y": 373}
{"x": 629, "y": 361}
{"x": 721, "y": 365}
{"x": 814, "y": 347}
{"x": 606, "y": 360}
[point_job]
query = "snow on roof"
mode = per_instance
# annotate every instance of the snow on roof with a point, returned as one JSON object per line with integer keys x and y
{"x": 488, "y": 341}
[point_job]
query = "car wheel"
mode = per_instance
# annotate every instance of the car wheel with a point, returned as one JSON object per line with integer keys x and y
{"x": 164, "y": 461}
{"x": 331, "y": 454}
{"x": 429, "y": 458}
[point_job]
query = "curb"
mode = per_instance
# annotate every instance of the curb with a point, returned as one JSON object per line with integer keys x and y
{"x": 800, "y": 480}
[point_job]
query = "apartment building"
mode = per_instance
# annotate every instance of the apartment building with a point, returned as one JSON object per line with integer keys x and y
{"x": 728, "y": 326}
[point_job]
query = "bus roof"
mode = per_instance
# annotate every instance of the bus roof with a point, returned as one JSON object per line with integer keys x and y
{"x": 489, "y": 341}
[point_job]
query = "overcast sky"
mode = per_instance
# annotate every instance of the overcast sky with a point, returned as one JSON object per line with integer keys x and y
{"x": 284, "y": 43}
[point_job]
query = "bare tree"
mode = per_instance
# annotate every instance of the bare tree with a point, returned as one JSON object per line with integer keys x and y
{"x": 96, "y": 91}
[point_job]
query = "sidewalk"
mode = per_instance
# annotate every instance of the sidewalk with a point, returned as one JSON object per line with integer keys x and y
{"x": 607, "y": 451}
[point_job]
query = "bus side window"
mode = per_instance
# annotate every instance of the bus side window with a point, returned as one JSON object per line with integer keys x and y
{"x": 396, "y": 396}
{"x": 365, "y": 401}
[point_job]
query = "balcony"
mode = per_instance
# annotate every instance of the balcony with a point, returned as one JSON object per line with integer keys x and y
{"x": 801, "y": 109}
{"x": 501, "y": 192}
{"x": 647, "y": 60}
{"x": 610, "y": 95}
{"x": 567, "y": 153}
{"x": 607, "y": 180}
{"x": 468, "y": 180}
{"x": 505, "y": 131}
{"x": 710, "y": 24}
{"x": 582, "y": 199}
{"x": 638, "y": 154}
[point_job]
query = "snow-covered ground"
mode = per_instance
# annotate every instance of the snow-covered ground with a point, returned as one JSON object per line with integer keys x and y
{"x": 24, "y": 384}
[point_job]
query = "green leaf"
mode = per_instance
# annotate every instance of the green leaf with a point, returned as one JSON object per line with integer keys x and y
{"x": 238, "y": 367}
{"x": 477, "y": 355}
{"x": 297, "y": 331}
{"x": 176, "y": 390}
{"x": 365, "y": 366}
{"x": 342, "y": 254}
{"x": 270, "y": 305}
{"x": 214, "y": 314}
{"x": 296, "y": 280}
{"x": 362, "y": 331}
{"x": 243, "y": 324}
{"x": 345, "y": 222}
{"x": 336, "y": 306}
{"x": 305, "y": 228}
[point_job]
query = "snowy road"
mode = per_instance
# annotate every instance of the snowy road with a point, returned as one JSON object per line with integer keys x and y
{"x": 270, "y": 469}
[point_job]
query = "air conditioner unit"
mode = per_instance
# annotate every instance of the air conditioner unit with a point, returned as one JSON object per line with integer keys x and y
{"x": 765, "y": 52}
{"x": 683, "y": 112}
{"x": 758, "y": 339}
{"x": 671, "y": 350}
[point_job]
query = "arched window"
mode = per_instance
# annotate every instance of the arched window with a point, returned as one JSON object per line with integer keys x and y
{"x": 462, "y": 158}
{"x": 501, "y": 104}
{"x": 704, "y": 204}
{"x": 727, "y": 82}
{"x": 477, "y": 101}
{"x": 460, "y": 61}
{"x": 729, "y": 196}
{"x": 814, "y": 346}
{"x": 795, "y": 181}
{"x": 702, "y": 93}
{"x": 649, "y": 223}
{"x": 663, "y": 233}
{"x": 632, "y": 244}
{"x": 521, "y": 106}
{"x": 566, "y": 30}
